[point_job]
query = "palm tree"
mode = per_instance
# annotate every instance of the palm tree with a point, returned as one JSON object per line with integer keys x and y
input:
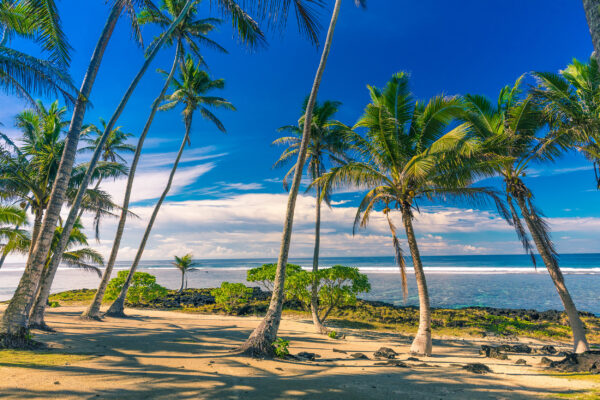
{"x": 592, "y": 14}
{"x": 410, "y": 153}
{"x": 188, "y": 34}
{"x": 190, "y": 91}
{"x": 326, "y": 145}
{"x": 13, "y": 329}
{"x": 260, "y": 342}
{"x": 570, "y": 100}
{"x": 510, "y": 131}
{"x": 22, "y": 74}
{"x": 184, "y": 264}
{"x": 111, "y": 156}
{"x": 12, "y": 218}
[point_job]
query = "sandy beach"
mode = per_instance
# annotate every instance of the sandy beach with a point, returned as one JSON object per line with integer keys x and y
{"x": 167, "y": 354}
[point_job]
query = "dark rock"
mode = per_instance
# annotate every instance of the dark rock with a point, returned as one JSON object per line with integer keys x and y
{"x": 56, "y": 382}
{"x": 308, "y": 356}
{"x": 492, "y": 352}
{"x": 582, "y": 362}
{"x": 515, "y": 348}
{"x": 477, "y": 368}
{"x": 545, "y": 361}
{"x": 359, "y": 356}
{"x": 339, "y": 351}
{"x": 413, "y": 359}
{"x": 548, "y": 349}
{"x": 520, "y": 361}
{"x": 385, "y": 352}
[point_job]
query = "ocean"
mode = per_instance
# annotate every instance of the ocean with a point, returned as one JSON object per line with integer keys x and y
{"x": 503, "y": 281}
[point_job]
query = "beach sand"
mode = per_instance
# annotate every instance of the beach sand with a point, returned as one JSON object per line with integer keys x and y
{"x": 168, "y": 355}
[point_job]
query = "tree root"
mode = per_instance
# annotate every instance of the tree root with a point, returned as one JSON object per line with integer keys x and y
{"x": 20, "y": 340}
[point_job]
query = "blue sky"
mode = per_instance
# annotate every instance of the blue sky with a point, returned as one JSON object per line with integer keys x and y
{"x": 228, "y": 201}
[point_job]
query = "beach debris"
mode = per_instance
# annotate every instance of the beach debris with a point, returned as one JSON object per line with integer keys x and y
{"x": 424, "y": 365}
{"x": 359, "y": 356}
{"x": 520, "y": 361}
{"x": 492, "y": 352}
{"x": 477, "y": 368}
{"x": 412, "y": 359}
{"x": 545, "y": 361}
{"x": 394, "y": 363}
{"x": 588, "y": 361}
{"x": 339, "y": 351}
{"x": 279, "y": 369}
{"x": 56, "y": 382}
{"x": 308, "y": 356}
{"x": 385, "y": 352}
{"x": 515, "y": 348}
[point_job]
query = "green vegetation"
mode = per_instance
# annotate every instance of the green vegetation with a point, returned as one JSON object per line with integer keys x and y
{"x": 265, "y": 275}
{"x": 579, "y": 395}
{"x": 281, "y": 347}
{"x": 231, "y": 295}
{"x": 35, "y": 358}
{"x": 143, "y": 288}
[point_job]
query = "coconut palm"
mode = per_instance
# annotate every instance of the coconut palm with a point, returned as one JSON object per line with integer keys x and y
{"x": 189, "y": 90}
{"x": 12, "y": 218}
{"x": 260, "y": 342}
{"x": 184, "y": 264}
{"x": 326, "y": 147}
{"x": 22, "y": 74}
{"x": 511, "y": 130}
{"x": 189, "y": 34}
{"x": 571, "y": 99}
{"x": 13, "y": 330}
{"x": 410, "y": 153}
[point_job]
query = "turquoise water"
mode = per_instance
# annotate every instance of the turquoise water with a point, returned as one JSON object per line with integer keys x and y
{"x": 503, "y": 281}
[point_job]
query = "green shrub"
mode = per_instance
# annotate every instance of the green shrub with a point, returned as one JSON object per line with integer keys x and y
{"x": 265, "y": 274}
{"x": 53, "y": 304}
{"x": 143, "y": 288}
{"x": 338, "y": 286}
{"x": 281, "y": 347}
{"x": 333, "y": 334}
{"x": 231, "y": 295}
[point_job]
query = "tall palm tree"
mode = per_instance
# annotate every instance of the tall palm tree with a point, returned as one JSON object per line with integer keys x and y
{"x": 12, "y": 218}
{"x": 260, "y": 342}
{"x": 571, "y": 99}
{"x": 326, "y": 146}
{"x": 13, "y": 329}
{"x": 111, "y": 156}
{"x": 410, "y": 153}
{"x": 184, "y": 264}
{"x": 511, "y": 130}
{"x": 189, "y": 90}
{"x": 188, "y": 34}
{"x": 592, "y": 14}
{"x": 22, "y": 74}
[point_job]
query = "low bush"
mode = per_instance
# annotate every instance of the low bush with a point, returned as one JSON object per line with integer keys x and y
{"x": 143, "y": 288}
{"x": 231, "y": 296}
{"x": 265, "y": 274}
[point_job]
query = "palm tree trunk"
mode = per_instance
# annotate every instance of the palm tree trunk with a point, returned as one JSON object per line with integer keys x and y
{"x": 314, "y": 298}
{"x": 117, "y": 307}
{"x": 580, "y": 343}
{"x": 422, "y": 342}
{"x": 260, "y": 342}
{"x": 93, "y": 311}
{"x": 592, "y": 14}
{"x": 14, "y": 321}
{"x": 182, "y": 281}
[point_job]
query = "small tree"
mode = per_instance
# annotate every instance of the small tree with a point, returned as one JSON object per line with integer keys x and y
{"x": 338, "y": 287}
{"x": 143, "y": 288}
{"x": 265, "y": 274}
{"x": 231, "y": 295}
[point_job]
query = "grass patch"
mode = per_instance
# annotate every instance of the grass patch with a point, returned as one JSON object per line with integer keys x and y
{"x": 73, "y": 297}
{"x": 582, "y": 376}
{"x": 28, "y": 358}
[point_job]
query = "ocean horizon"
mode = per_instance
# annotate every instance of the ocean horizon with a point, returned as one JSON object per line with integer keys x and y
{"x": 501, "y": 281}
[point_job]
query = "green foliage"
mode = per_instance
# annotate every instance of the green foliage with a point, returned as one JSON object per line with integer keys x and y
{"x": 281, "y": 347}
{"x": 142, "y": 290}
{"x": 265, "y": 274}
{"x": 231, "y": 295}
{"x": 338, "y": 286}
{"x": 332, "y": 334}
{"x": 53, "y": 304}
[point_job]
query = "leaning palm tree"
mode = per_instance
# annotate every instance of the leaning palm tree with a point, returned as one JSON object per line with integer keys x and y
{"x": 188, "y": 34}
{"x": 189, "y": 90}
{"x": 326, "y": 146}
{"x": 410, "y": 153}
{"x": 260, "y": 342}
{"x": 570, "y": 99}
{"x": 184, "y": 264}
{"x": 592, "y": 14}
{"x": 510, "y": 130}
